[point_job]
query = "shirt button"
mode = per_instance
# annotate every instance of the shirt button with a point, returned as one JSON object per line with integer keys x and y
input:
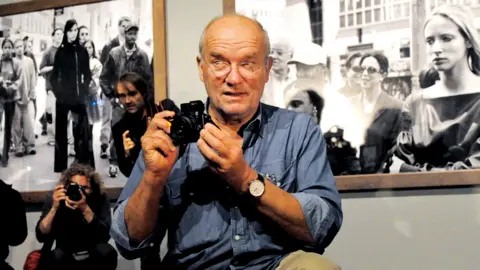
{"x": 237, "y": 237}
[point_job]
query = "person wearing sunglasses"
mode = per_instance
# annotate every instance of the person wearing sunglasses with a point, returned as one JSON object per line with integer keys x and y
{"x": 377, "y": 113}
{"x": 353, "y": 76}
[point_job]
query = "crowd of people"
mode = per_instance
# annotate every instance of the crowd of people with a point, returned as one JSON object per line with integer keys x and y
{"x": 234, "y": 198}
{"x": 80, "y": 92}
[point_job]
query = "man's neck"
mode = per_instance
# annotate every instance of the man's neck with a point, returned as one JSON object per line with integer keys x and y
{"x": 19, "y": 56}
{"x": 129, "y": 46}
{"x": 232, "y": 123}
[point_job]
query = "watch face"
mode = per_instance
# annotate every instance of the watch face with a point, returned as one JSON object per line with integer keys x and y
{"x": 257, "y": 188}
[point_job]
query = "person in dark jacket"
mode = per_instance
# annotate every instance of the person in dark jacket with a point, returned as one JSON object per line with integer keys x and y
{"x": 109, "y": 103}
{"x": 132, "y": 92}
{"x": 70, "y": 80}
{"x": 14, "y": 228}
{"x": 77, "y": 226}
{"x": 133, "y": 95}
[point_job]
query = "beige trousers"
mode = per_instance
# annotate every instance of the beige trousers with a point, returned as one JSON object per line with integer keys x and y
{"x": 301, "y": 260}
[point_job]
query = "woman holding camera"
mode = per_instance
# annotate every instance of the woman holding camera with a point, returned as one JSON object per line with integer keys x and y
{"x": 10, "y": 73}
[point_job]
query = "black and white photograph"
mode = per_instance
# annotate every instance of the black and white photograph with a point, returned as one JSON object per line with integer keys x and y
{"x": 392, "y": 83}
{"x": 59, "y": 71}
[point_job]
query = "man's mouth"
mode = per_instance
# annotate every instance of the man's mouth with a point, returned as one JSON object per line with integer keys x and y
{"x": 234, "y": 94}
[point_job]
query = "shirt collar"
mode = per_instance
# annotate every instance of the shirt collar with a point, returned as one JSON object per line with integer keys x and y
{"x": 252, "y": 129}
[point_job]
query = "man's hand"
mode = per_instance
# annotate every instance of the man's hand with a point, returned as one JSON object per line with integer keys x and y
{"x": 77, "y": 205}
{"x": 224, "y": 152}
{"x": 58, "y": 196}
{"x": 128, "y": 144}
{"x": 159, "y": 153}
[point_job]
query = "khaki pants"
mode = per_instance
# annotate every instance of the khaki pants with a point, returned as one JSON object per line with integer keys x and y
{"x": 301, "y": 260}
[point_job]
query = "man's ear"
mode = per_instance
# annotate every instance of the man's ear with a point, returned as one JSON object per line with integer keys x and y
{"x": 199, "y": 66}
{"x": 268, "y": 65}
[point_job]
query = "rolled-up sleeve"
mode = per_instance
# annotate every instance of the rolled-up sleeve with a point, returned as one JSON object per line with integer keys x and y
{"x": 118, "y": 230}
{"x": 316, "y": 189}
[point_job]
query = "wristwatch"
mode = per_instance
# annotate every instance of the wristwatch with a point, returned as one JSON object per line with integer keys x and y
{"x": 256, "y": 187}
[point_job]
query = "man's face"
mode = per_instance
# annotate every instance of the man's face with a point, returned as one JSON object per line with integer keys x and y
{"x": 82, "y": 180}
{"x": 316, "y": 72}
{"x": 233, "y": 67}
{"x": 83, "y": 35}
{"x": 58, "y": 36}
{"x": 121, "y": 27}
{"x": 19, "y": 49}
{"x": 301, "y": 103}
{"x": 354, "y": 73}
{"x": 130, "y": 97}
{"x": 131, "y": 37}
{"x": 280, "y": 54}
{"x": 29, "y": 46}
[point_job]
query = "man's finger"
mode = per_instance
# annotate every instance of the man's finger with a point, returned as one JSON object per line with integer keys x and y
{"x": 165, "y": 137}
{"x": 208, "y": 152}
{"x": 124, "y": 135}
{"x": 160, "y": 144}
{"x": 68, "y": 205}
{"x": 164, "y": 114}
{"x": 215, "y": 131}
{"x": 159, "y": 124}
{"x": 213, "y": 141}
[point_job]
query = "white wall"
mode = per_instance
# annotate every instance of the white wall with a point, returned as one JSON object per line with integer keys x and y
{"x": 185, "y": 22}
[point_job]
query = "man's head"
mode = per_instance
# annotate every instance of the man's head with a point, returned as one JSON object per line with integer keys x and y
{"x": 19, "y": 47}
{"x": 57, "y": 36}
{"x": 122, "y": 23}
{"x": 310, "y": 60}
{"x": 28, "y": 44}
{"x": 281, "y": 53}
{"x": 354, "y": 70}
{"x": 84, "y": 176}
{"x": 132, "y": 92}
{"x": 234, "y": 65}
{"x": 131, "y": 32}
{"x": 83, "y": 34}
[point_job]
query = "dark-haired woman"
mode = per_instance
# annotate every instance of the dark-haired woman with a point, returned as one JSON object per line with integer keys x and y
{"x": 10, "y": 74}
{"x": 377, "y": 114}
{"x": 70, "y": 80}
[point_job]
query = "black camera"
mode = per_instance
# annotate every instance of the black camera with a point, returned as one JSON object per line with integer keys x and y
{"x": 186, "y": 125}
{"x": 74, "y": 191}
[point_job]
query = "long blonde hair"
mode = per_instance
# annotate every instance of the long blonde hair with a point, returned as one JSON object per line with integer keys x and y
{"x": 461, "y": 16}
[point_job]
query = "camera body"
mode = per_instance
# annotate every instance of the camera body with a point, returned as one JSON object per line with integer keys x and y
{"x": 186, "y": 125}
{"x": 74, "y": 191}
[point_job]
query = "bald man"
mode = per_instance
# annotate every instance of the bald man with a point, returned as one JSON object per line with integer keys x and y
{"x": 254, "y": 192}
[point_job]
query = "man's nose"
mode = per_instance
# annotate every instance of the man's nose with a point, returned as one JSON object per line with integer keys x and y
{"x": 233, "y": 77}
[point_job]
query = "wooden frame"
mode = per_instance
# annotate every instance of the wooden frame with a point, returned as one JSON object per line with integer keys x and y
{"x": 159, "y": 61}
{"x": 369, "y": 182}
{"x": 159, "y": 32}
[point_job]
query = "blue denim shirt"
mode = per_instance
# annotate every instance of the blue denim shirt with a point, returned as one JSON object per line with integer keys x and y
{"x": 211, "y": 227}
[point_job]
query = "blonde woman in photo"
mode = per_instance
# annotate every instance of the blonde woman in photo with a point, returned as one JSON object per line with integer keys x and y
{"x": 441, "y": 123}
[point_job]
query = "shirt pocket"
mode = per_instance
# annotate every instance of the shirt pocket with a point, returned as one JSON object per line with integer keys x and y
{"x": 276, "y": 171}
